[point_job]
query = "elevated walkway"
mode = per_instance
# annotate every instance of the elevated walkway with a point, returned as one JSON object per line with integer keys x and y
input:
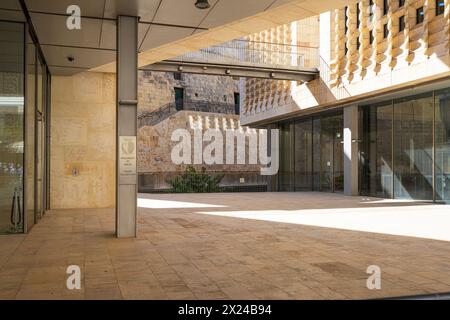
{"x": 243, "y": 58}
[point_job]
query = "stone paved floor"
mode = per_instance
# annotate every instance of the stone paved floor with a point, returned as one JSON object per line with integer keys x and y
{"x": 190, "y": 249}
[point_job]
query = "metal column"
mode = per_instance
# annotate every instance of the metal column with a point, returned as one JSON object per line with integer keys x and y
{"x": 126, "y": 171}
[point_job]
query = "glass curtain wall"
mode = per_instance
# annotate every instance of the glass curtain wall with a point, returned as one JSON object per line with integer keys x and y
{"x": 405, "y": 148}
{"x": 303, "y": 159}
{"x": 285, "y": 172}
{"x": 442, "y": 145}
{"x": 40, "y": 130}
{"x": 376, "y": 150}
{"x": 413, "y": 148}
{"x": 23, "y": 99}
{"x": 30, "y": 135}
{"x": 11, "y": 126}
{"x": 331, "y": 154}
{"x": 311, "y": 155}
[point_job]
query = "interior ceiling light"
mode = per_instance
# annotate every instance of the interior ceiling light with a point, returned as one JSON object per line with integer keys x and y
{"x": 202, "y": 4}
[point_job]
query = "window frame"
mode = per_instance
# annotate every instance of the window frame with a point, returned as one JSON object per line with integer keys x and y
{"x": 420, "y": 15}
{"x": 440, "y": 7}
{"x": 401, "y": 24}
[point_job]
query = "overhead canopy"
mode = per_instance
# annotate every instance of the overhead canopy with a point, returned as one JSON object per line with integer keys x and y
{"x": 167, "y": 28}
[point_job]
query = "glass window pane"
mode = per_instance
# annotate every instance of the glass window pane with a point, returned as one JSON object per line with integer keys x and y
{"x": 376, "y": 150}
{"x": 413, "y": 148}
{"x": 30, "y": 132}
{"x": 11, "y": 126}
{"x": 443, "y": 145}
{"x": 317, "y": 128}
{"x": 40, "y": 139}
{"x": 286, "y": 167}
{"x": 303, "y": 155}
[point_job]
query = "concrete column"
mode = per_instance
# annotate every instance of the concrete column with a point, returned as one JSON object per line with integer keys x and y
{"x": 126, "y": 171}
{"x": 351, "y": 145}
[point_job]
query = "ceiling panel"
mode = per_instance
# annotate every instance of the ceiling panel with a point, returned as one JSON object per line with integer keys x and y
{"x": 84, "y": 58}
{"x": 90, "y": 8}
{"x": 231, "y": 10}
{"x": 158, "y": 36}
{"x": 12, "y": 15}
{"x": 61, "y": 71}
{"x": 182, "y": 12}
{"x": 54, "y": 31}
{"x": 279, "y": 3}
{"x": 10, "y": 4}
{"x": 108, "y": 40}
{"x": 145, "y": 9}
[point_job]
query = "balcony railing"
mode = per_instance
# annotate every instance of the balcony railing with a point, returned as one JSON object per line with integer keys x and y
{"x": 154, "y": 117}
{"x": 258, "y": 54}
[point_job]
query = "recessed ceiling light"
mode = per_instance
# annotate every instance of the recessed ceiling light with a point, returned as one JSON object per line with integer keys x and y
{"x": 202, "y": 4}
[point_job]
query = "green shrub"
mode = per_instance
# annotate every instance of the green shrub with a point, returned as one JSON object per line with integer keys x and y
{"x": 192, "y": 181}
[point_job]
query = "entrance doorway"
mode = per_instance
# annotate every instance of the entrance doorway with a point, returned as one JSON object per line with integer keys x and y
{"x": 331, "y": 154}
{"x": 312, "y": 154}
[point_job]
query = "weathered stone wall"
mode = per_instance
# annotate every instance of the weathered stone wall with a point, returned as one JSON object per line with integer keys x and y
{"x": 155, "y": 145}
{"x": 83, "y": 136}
{"x": 156, "y": 89}
{"x": 205, "y": 93}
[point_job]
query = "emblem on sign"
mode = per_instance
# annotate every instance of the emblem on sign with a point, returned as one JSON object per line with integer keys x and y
{"x": 127, "y": 155}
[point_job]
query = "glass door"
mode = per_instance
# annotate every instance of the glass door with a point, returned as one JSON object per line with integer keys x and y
{"x": 331, "y": 154}
{"x": 413, "y": 148}
{"x": 285, "y": 172}
{"x": 11, "y": 127}
{"x": 326, "y": 158}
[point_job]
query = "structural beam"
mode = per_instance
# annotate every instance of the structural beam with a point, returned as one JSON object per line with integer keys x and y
{"x": 245, "y": 71}
{"x": 127, "y": 98}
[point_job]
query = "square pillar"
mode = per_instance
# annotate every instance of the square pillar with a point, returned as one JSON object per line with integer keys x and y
{"x": 126, "y": 146}
{"x": 351, "y": 146}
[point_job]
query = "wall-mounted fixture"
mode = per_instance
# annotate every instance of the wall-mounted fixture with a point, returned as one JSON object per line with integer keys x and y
{"x": 202, "y": 4}
{"x": 75, "y": 172}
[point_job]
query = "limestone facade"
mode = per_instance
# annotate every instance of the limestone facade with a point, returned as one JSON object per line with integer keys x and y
{"x": 367, "y": 49}
{"x": 83, "y": 139}
{"x": 299, "y": 41}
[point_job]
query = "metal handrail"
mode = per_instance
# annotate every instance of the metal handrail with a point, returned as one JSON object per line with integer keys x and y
{"x": 325, "y": 74}
{"x": 239, "y": 52}
{"x": 154, "y": 117}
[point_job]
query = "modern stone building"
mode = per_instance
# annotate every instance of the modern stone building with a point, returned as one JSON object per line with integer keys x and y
{"x": 376, "y": 121}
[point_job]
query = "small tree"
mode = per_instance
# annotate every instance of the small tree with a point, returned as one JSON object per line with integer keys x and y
{"x": 192, "y": 181}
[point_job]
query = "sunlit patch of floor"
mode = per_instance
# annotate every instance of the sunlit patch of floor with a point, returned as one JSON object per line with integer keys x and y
{"x": 168, "y": 204}
{"x": 421, "y": 221}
